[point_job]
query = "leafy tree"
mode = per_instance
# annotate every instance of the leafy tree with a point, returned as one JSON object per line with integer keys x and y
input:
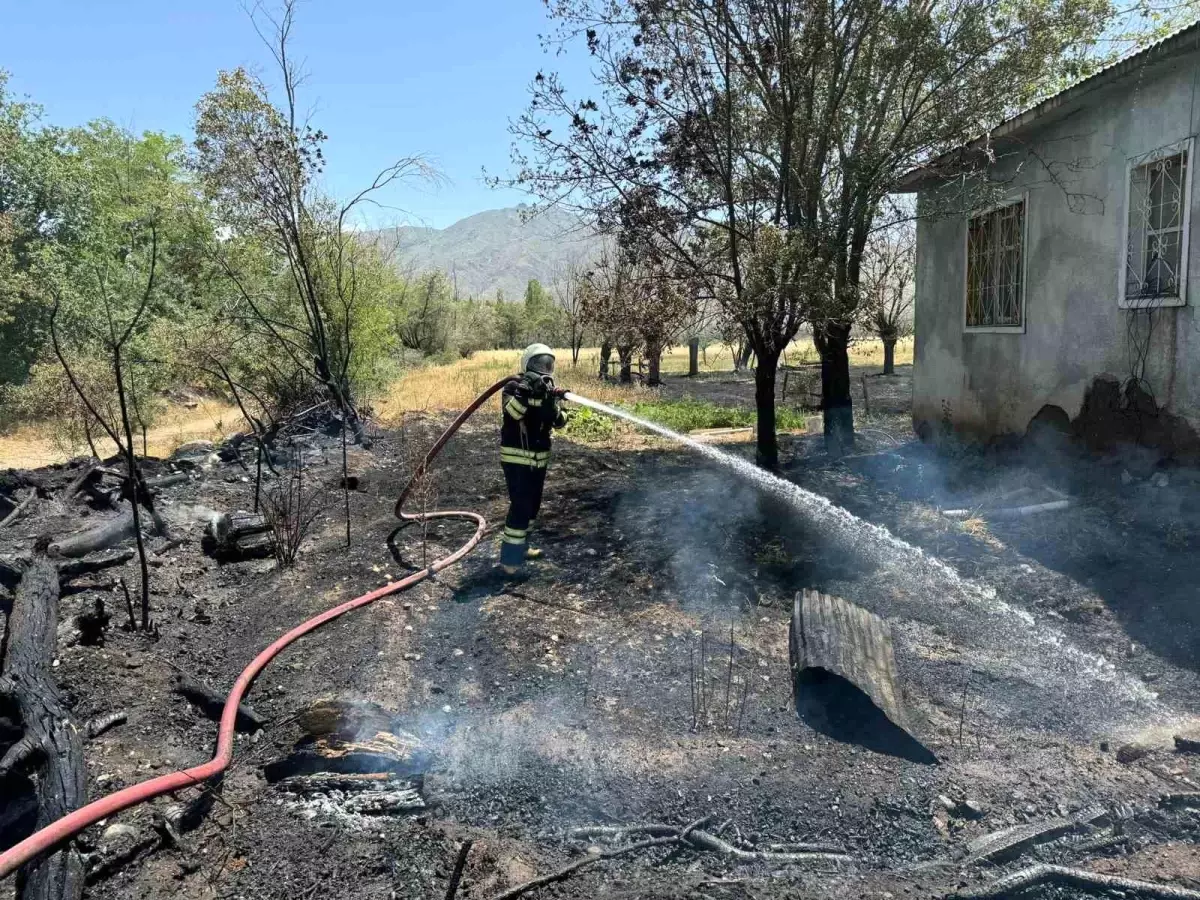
{"x": 425, "y": 317}
{"x": 888, "y": 274}
{"x": 474, "y": 325}
{"x": 640, "y": 305}
{"x": 610, "y": 291}
{"x": 510, "y": 322}
{"x": 116, "y": 289}
{"x": 258, "y": 163}
{"x": 543, "y": 319}
{"x": 38, "y": 209}
{"x": 537, "y": 301}
{"x": 759, "y": 137}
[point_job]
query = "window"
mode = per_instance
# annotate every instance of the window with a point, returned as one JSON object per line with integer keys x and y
{"x": 1155, "y": 265}
{"x": 996, "y": 268}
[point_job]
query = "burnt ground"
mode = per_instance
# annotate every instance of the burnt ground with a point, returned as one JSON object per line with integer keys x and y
{"x": 568, "y": 699}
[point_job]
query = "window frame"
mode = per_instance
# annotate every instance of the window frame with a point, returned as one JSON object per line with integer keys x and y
{"x": 1187, "y": 146}
{"x": 1010, "y": 200}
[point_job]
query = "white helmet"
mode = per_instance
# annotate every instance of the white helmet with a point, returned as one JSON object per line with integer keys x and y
{"x": 538, "y": 358}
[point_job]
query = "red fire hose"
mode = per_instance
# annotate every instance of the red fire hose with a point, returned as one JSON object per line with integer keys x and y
{"x": 71, "y": 824}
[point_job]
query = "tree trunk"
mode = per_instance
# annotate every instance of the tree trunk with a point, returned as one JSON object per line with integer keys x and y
{"x": 693, "y": 357}
{"x": 833, "y": 341}
{"x": 625, "y": 355}
{"x": 654, "y": 360}
{"x": 767, "y": 450}
{"x": 743, "y": 357}
{"x": 50, "y": 736}
{"x": 605, "y": 359}
{"x": 889, "y": 356}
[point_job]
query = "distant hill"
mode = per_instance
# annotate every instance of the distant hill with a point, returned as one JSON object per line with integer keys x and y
{"x": 494, "y": 250}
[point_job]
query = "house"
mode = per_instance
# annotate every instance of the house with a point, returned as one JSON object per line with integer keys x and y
{"x": 1057, "y": 283}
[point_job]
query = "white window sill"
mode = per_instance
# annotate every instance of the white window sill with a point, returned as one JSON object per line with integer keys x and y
{"x": 994, "y": 329}
{"x": 1150, "y": 302}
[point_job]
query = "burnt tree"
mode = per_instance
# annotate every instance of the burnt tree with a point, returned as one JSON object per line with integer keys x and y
{"x": 51, "y": 744}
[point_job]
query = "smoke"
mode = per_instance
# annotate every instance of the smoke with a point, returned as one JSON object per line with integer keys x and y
{"x": 495, "y": 749}
{"x": 1049, "y": 679}
{"x": 693, "y": 527}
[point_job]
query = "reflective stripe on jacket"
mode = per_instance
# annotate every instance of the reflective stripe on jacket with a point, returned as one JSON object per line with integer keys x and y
{"x": 527, "y": 424}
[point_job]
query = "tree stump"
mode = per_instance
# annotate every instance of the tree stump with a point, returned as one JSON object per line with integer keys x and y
{"x": 234, "y": 536}
{"x": 845, "y": 678}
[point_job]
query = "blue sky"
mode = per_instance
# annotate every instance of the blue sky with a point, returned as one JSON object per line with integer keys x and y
{"x": 388, "y": 78}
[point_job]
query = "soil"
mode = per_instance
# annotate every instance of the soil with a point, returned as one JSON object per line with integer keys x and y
{"x": 570, "y": 698}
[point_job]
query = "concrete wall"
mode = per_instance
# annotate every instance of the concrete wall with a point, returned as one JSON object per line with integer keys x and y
{"x": 986, "y": 384}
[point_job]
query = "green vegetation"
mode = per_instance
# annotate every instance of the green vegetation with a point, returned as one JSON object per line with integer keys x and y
{"x": 692, "y": 415}
{"x": 682, "y": 415}
{"x": 588, "y": 426}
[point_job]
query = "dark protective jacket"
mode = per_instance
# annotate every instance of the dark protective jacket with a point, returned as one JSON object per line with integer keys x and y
{"x": 529, "y": 415}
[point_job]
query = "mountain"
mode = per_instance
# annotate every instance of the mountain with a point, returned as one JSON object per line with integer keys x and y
{"x": 494, "y": 250}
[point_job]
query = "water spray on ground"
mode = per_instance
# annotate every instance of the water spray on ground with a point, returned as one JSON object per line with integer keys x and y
{"x": 1074, "y": 687}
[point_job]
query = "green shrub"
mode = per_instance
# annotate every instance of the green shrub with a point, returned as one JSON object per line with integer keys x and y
{"x": 693, "y": 415}
{"x": 588, "y": 426}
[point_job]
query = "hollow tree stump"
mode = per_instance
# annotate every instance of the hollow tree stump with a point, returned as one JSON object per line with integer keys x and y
{"x": 51, "y": 744}
{"x": 845, "y": 679}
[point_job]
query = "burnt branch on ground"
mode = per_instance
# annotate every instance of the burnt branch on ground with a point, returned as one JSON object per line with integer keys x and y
{"x": 1019, "y": 882}
{"x": 51, "y": 745}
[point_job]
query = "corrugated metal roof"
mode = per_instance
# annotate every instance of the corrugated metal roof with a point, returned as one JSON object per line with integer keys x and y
{"x": 1175, "y": 42}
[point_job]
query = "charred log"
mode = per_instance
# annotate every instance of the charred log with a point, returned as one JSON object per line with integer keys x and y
{"x": 102, "y": 537}
{"x": 89, "y": 473}
{"x": 13, "y": 568}
{"x": 345, "y": 719}
{"x": 77, "y": 567}
{"x": 101, "y": 724}
{"x": 212, "y": 704}
{"x": 1020, "y": 882}
{"x": 166, "y": 481}
{"x": 52, "y": 743}
{"x": 387, "y": 753}
{"x": 18, "y": 509}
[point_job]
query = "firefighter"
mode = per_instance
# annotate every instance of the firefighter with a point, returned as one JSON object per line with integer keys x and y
{"x": 531, "y": 408}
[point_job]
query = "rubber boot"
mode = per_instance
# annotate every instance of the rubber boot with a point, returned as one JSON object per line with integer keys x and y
{"x": 512, "y": 555}
{"x": 532, "y": 552}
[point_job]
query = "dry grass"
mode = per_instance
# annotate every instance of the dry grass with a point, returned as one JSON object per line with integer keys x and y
{"x": 453, "y": 386}
{"x": 31, "y": 446}
{"x": 427, "y": 388}
{"x": 717, "y": 358}
{"x": 975, "y": 526}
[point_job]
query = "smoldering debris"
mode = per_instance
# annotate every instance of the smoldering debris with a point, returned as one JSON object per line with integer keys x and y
{"x": 350, "y": 799}
{"x": 353, "y": 762}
